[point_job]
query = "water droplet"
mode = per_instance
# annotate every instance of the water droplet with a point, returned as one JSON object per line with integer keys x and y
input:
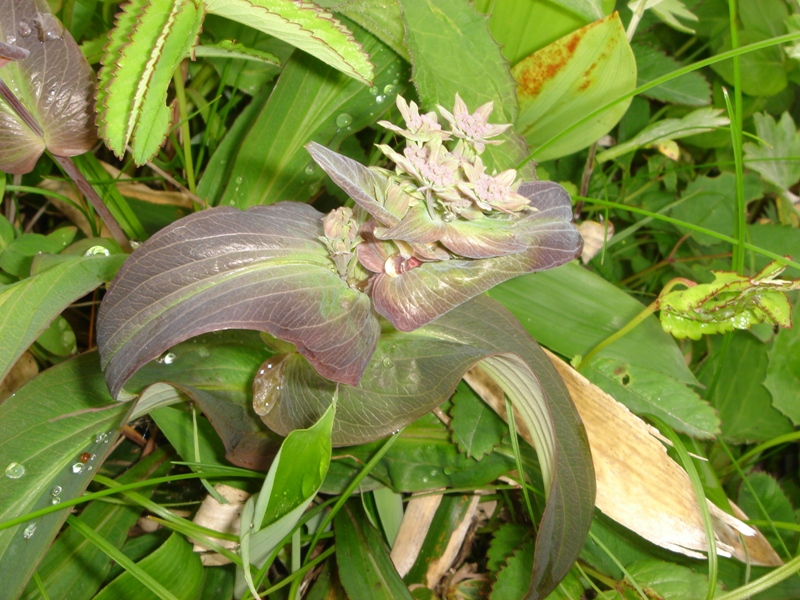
{"x": 135, "y": 244}
{"x": 373, "y": 90}
{"x": 24, "y": 29}
{"x": 67, "y": 339}
{"x": 77, "y": 467}
{"x": 388, "y": 89}
{"x": 15, "y": 470}
{"x": 309, "y": 170}
{"x": 424, "y": 480}
{"x": 343, "y": 120}
{"x": 239, "y": 180}
{"x": 101, "y": 437}
{"x": 28, "y": 532}
{"x": 387, "y": 362}
{"x": 169, "y": 358}
{"x": 267, "y": 384}
{"x": 11, "y": 39}
{"x": 395, "y": 82}
{"x": 97, "y": 251}
{"x": 55, "y": 501}
{"x": 380, "y": 99}
{"x": 56, "y": 490}
{"x": 203, "y": 353}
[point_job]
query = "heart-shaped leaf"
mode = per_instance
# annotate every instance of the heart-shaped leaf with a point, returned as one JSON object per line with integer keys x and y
{"x": 53, "y": 82}
{"x": 222, "y": 268}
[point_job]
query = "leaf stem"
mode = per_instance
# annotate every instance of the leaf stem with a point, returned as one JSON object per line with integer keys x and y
{"x": 186, "y": 139}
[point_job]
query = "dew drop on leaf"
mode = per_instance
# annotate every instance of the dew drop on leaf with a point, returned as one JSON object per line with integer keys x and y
{"x": 101, "y": 437}
{"x": 309, "y": 170}
{"x": 56, "y": 500}
{"x": 97, "y": 251}
{"x": 388, "y": 89}
{"x": 267, "y": 384}
{"x": 24, "y": 29}
{"x": 77, "y": 467}
{"x": 15, "y": 470}
{"x": 387, "y": 362}
{"x": 343, "y": 120}
{"x": 28, "y": 532}
{"x": 373, "y": 90}
{"x": 56, "y": 490}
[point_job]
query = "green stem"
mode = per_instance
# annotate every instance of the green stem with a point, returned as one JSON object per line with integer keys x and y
{"x": 186, "y": 135}
{"x": 764, "y": 583}
{"x": 735, "y": 113}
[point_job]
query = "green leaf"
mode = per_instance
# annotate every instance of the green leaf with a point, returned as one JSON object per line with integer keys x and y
{"x": 670, "y": 580}
{"x": 571, "y": 323}
{"x": 783, "y": 372}
{"x": 514, "y": 578}
{"x": 148, "y": 43}
{"x": 645, "y": 391}
{"x": 570, "y": 77}
{"x": 763, "y": 72}
{"x": 777, "y": 140}
{"x": 54, "y": 83}
{"x": 744, "y": 404}
{"x": 309, "y": 102}
{"x": 698, "y": 121}
{"x": 470, "y": 64}
{"x": 669, "y": 11}
{"x": 730, "y": 301}
{"x": 58, "y": 338}
{"x": 382, "y": 18}
{"x": 505, "y": 541}
{"x": 304, "y": 25}
{"x": 174, "y": 565}
{"x": 709, "y": 202}
{"x": 47, "y": 425}
{"x": 365, "y": 569}
{"x": 234, "y": 49}
{"x": 74, "y": 567}
{"x": 691, "y": 89}
{"x": 476, "y": 428}
{"x": 50, "y": 291}
{"x": 763, "y": 498}
{"x": 245, "y": 270}
{"x": 588, "y": 9}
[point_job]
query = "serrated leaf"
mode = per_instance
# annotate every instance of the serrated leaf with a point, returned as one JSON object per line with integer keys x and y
{"x": 764, "y": 499}
{"x": 783, "y": 372}
{"x": 698, "y": 121}
{"x": 469, "y": 64}
{"x": 731, "y": 301}
{"x": 691, "y": 89}
{"x": 476, "y": 428}
{"x": 304, "y": 25}
{"x": 670, "y": 580}
{"x": 508, "y": 538}
{"x": 570, "y": 77}
{"x": 149, "y": 41}
{"x": 772, "y": 156}
{"x": 514, "y": 578}
{"x": 645, "y": 391}
{"x": 382, "y": 18}
{"x": 54, "y": 82}
{"x": 222, "y": 268}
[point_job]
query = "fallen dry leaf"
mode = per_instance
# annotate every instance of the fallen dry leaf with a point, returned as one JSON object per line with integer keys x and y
{"x": 414, "y": 527}
{"x": 638, "y": 484}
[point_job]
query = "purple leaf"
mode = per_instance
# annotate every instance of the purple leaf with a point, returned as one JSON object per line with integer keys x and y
{"x": 222, "y": 268}
{"x": 54, "y": 83}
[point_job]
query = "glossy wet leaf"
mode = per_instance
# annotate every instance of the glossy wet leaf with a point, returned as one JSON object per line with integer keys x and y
{"x": 147, "y": 44}
{"x": 222, "y": 268}
{"x": 270, "y": 163}
{"x": 74, "y": 567}
{"x": 470, "y": 64}
{"x": 51, "y": 291}
{"x": 173, "y": 565}
{"x": 365, "y": 569}
{"x": 48, "y": 443}
{"x": 397, "y": 387}
{"x": 54, "y": 82}
{"x": 569, "y": 78}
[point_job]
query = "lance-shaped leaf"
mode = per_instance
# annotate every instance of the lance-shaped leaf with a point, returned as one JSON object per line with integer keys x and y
{"x": 51, "y": 79}
{"x": 411, "y": 373}
{"x": 304, "y": 25}
{"x": 150, "y": 39}
{"x": 222, "y": 268}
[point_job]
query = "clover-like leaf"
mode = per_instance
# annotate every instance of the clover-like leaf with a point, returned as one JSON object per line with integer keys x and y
{"x": 51, "y": 80}
{"x": 222, "y": 268}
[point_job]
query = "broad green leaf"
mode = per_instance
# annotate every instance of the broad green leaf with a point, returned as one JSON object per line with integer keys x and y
{"x": 766, "y": 16}
{"x": 744, "y": 404}
{"x": 514, "y": 578}
{"x": 780, "y": 239}
{"x": 50, "y": 291}
{"x": 698, "y": 121}
{"x": 397, "y": 387}
{"x": 263, "y": 269}
{"x": 389, "y": 506}
{"x": 293, "y": 480}
{"x": 508, "y": 538}
{"x": 304, "y": 25}
{"x": 382, "y": 18}
{"x": 691, "y": 89}
{"x": 570, "y": 77}
{"x": 783, "y": 372}
{"x": 174, "y": 565}
{"x": 762, "y": 498}
{"x": 645, "y": 391}
{"x": 469, "y": 64}
{"x": 670, "y": 580}
{"x": 74, "y": 567}
{"x": 731, "y": 301}
{"x": 709, "y": 202}
{"x": 365, "y": 569}
{"x": 777, "y": 140}
{"x": 54, "y": 82}
{"x": 148, "y": 43}
{"x": 42, "y": 446}
{"x": 763, "y": 72}
{"x": 309, "y": 102}
{"x": 18, "y": 258}
{"x": 476, "y": 428}
{"x": 571, "y": 323}
{"x": 523, "y": 27}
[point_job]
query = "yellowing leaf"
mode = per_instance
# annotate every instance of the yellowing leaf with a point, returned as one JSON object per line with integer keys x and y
{"x": 571, "y": 77}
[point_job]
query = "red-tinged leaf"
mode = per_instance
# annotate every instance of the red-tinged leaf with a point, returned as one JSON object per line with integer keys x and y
{"x": 222, "y": 268}
{"x": 54, "y": 83}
